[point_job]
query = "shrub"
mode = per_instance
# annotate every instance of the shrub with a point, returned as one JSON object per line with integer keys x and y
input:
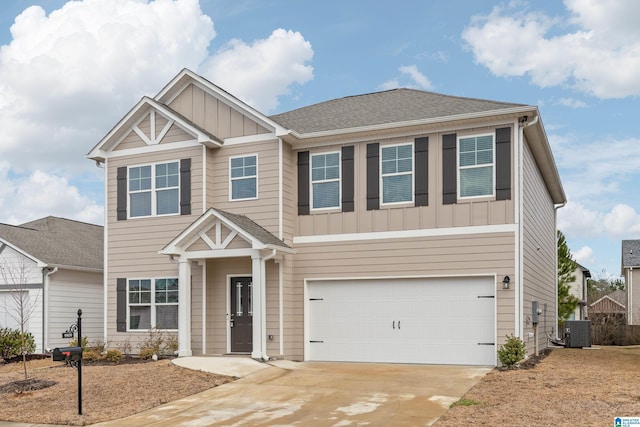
{"x": 159, "y": 343}
{"x": 84, "y": 345}
{"x": 91, "y": 355}
{"x": 146, "y": 353}
{"x": 171, "y": 345}
{"x": 512, "y": 351}
{"x": 114, "y": 355}
{"x": 11, "y": 343}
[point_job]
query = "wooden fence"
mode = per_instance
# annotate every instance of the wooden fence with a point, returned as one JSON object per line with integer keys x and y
{"x": 615, "y": 334}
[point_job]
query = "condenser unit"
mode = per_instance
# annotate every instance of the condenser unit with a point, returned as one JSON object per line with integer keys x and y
{"x": 577, "y": 333}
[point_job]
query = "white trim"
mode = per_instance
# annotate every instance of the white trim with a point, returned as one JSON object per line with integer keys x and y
{"x": 256, "y": 176}
{"x": 105, "y": 263}
{"x": 405, "y": 234}
{"x": 519, "y": 252}
{"x": 492, "y": 195}
{"x": 325, "y": 181}
{"x": 260, "y": 137}
{"x": 152, "y": 304}
{"x": 203, "y": 268}
{"x": 152, "y": 149}
{"x": 204, "y": 179}
{"x": 280, "y": 189}
{"x": 153, "y": 190}
{"x": 381, "y": 175}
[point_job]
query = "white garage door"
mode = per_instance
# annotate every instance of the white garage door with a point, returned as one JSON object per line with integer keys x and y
{"x": 439, "y": 321}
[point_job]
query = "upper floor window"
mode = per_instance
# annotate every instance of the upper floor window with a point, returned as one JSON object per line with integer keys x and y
{"x": 397, "y": 173}
{"x": 325, "y": 181}
{"x": 475, "y": 166}
{"x": 154, "y": 189}
{"x": 243, "y": 173}
{"x": 153, "y": 303}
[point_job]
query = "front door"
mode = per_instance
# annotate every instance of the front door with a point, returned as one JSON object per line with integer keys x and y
{"x": 241, "y": 315}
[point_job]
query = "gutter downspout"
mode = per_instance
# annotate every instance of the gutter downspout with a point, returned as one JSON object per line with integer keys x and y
{"x": 46, "y": 272}
{"x": 519, "y": 291}
{"x": 263, "y": 303}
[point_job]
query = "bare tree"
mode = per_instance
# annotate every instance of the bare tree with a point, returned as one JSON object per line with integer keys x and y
{"x": 15, "y": 274}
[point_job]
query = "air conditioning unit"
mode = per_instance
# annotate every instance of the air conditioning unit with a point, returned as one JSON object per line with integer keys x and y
{"x": 577, "y": 333}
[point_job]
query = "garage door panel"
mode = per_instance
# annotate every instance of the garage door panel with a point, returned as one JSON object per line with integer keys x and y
{"x": 404, "y": 321}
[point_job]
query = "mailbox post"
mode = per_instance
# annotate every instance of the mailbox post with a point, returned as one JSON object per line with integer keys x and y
{"x": 72, "y": 356}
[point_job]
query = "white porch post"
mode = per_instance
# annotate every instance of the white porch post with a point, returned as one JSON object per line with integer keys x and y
{"x": 184, "y": 308}
{"x": 256, "y": 302}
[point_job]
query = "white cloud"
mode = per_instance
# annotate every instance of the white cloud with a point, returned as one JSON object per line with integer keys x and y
{"x": 40, "y": 194}
{"x": 600, "y": 57}
{"x": 584, "y": 256}
{"x": 416, "y": 79}
{"x": 621, "y": 222}
{"x": 260, "y": 72}
{"x": 66, "y": 78}
{"x": 571, "y": 103}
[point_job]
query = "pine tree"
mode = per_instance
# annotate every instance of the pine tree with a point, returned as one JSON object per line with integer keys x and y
{"x": 567, "y": 303}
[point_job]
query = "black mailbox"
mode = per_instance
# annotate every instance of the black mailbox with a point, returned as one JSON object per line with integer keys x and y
{"x": 63, "y": 354}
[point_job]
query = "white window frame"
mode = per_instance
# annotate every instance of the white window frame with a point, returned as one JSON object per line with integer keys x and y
{"x": 338, "y": 180}
{"x": 231, "y": 199}
{"x": 152, "y": 304}
{"x": 153, "y": 190}
{"x": 493, "y": 166}
{"x": 412, "y": 173}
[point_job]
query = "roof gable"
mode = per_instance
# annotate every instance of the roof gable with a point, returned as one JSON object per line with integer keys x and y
{"x": 630, "y": 253}
{"x": 57, "y": 242}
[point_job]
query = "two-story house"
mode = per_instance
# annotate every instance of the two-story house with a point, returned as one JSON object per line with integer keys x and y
{"x": 398, "y": 226}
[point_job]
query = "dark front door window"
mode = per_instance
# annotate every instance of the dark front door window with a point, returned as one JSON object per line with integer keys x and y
{"x": 241, "y": 315}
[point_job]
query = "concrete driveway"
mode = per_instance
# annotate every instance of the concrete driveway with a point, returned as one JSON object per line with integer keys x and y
{"x": 321, "y": 394}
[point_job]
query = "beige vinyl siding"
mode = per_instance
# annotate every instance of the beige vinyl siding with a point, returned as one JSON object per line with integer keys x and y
{"x": 69, "y": 291}
{"x": 459, "y": 255}
{"x": 633, "y": 309}
{"x": 214, "y": 115}
{"x": 264, "y": 209}
{"x": 273, "y": 309}
{"x": 132, "y": 140}
{"x": 478, "y": 212}
{"x": 539, "y": 253}
{"x": 133, "y": 245}
{"x": 196, "y": 308}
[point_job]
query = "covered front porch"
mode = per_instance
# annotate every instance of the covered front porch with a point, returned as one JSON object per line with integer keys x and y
{"x": 230, "y": 286}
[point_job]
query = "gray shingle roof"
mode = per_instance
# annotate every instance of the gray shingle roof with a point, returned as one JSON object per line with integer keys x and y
{"x": 253, "y": 228}
{"x": 58, "y": 241}
{"x": 630, "y": 253}
{"x": 391, "y": 106}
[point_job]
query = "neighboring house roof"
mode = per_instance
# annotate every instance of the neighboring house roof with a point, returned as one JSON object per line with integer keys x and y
{"x": 57, "y": 242}
{"x": 615, "y": 302}
{"x": 391, "y": 106}
{"x": 630, "y": 253}
{"x": 585, "y": 270}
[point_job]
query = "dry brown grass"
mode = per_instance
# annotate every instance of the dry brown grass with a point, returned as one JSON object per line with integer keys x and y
{"x": 109, "y": 391}
{"x": 569, "y": 387}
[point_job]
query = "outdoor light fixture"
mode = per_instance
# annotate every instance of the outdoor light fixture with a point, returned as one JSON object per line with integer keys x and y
{"x": 505, "y": 282}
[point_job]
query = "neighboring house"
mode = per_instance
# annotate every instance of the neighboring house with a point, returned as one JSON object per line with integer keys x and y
{"x": 578, "y": 288}
{"x": 377, "y": 227}
{"x": 56, "y": 264}
{"x": 610, "y": 308}
{"x": 631, "y": 275}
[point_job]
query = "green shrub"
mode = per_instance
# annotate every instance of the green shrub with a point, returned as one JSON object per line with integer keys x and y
{"x": 11, "y": 343}
{"x": 512, "y": 351}
{"x": 114, "y": 355}
{"x": 85, "y": 343}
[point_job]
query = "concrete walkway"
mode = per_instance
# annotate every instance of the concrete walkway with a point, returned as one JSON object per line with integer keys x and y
{"x": 310, "y": 393}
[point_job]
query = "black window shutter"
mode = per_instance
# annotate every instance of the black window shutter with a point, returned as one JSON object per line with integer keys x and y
{"x": 421, "y": 177}
{"x": 303, "y": 183}
{"x": 185, "y": 187}
{"x": 121, "y": 305}
{"x": 449, "y": 172}
{"x": 121, "y": 189}
{"x": 373, "y": 176}
{"x": 503, "y": 164}
{"x": 347, "y": 179}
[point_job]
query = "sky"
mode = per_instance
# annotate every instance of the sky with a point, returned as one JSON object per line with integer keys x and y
{"x": 69, "y": 70}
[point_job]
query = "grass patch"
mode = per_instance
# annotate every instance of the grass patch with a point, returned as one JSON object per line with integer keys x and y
{"x": 464, "y": 402}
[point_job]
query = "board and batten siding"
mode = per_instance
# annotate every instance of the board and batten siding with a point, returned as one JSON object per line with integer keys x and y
{"x": 69, "y": 291}
{"x": 476, "y": 212}
{"x": 539, "y": 253}
{"x": 263, "y": 210}
{"x": 133, "y": 244}
{"x": 214, "y": 115}
{"x": 444, "y": 256}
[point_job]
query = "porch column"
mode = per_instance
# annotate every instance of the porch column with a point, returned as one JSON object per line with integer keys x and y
{"x": 184, "y": 308}
{"x": 256, "y": 302}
